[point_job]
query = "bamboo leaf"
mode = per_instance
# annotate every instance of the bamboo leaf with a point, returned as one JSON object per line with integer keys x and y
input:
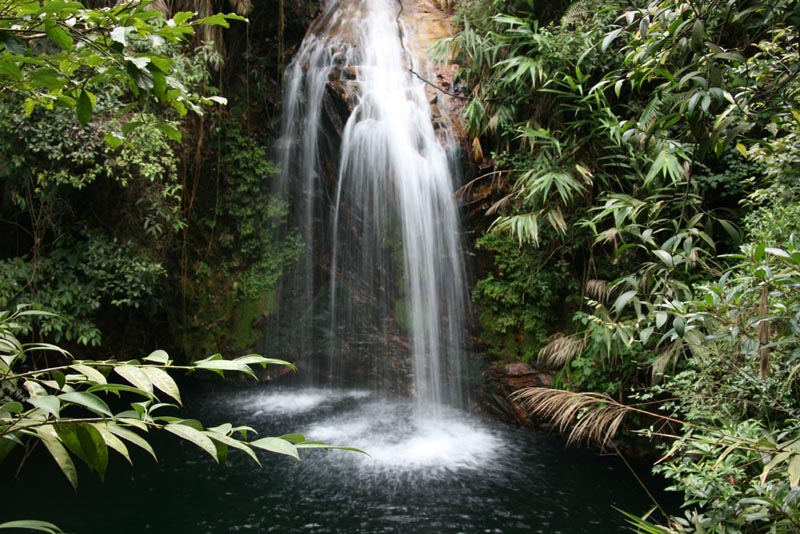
{"x": 794, "y": 471}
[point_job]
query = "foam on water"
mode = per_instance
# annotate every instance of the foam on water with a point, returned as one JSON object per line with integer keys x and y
{"x": 398, "y": 442}
{"x": 294, "y": 401}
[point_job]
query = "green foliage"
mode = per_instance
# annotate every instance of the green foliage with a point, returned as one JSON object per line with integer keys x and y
{"x": 78, "y": 262}
{"x": 247, "y": 248}
{"x": 86, "y": 274}
{"x": 738, "y": 456}
{"x": 62, "y": 54}
{"x": 523, "y": 299}
{"x": 655, "y": 130}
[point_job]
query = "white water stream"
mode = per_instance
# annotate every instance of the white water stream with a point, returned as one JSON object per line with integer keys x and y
{"x": 394, "y": 250}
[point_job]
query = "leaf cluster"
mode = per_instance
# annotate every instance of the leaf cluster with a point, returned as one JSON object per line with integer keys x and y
{"x": 65, "y": 407}
{"x": 57, "y": 53}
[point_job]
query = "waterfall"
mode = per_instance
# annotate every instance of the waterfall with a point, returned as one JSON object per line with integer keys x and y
{"x": 386, "y": 227}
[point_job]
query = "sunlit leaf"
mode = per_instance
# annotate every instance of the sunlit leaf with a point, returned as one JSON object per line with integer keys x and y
{"x": 277, "y": 445}
{"x": 194, "y": 436}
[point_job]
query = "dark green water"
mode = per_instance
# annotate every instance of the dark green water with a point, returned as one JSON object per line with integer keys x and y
{"x": 456, "y": 473}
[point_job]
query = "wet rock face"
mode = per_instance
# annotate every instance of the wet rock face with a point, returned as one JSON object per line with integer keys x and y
{"x": 429, "y": 24}
{"x": 502, "y": 381}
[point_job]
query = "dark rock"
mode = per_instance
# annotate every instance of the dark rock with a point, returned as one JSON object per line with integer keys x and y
{"x": 501, "y": 381}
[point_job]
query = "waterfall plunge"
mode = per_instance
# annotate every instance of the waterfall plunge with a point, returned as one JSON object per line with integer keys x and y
{"x": 392, "y": 228}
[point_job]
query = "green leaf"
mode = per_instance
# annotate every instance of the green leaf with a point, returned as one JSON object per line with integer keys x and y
{"x": 277, "y": 445}
{"x": 48, "y": 404}
{"x": 131, "y": 437}
{"x": 87, "y": 400}
{"x": 293, "y": 438}
{"x": 12, "y": 407}
{"x": 172, "y": 133}
{"x": 257, "y": 359}
{"x": 679, "y": 325}
{"x": 661, "y": 318}
{"x": 118, "y": 35}
{"x": 698, "y": 32}
{"x": 128, "y": 127}
{"x": 645, "y": 333}
{"x": 85, "y": 442}
{"x": 161, "y": 380}
{"x": 83, "y": 108}
{"x": 135, "y": 376}
{"x": 120, "y": 388}
{"x": 35, "y": 389}
{"x": 194, "y": 436}
{"x": 220, "y": 19}
{"x": 794, "y": 471}
{"x": 112, "y": 441}
{"x": 225, "y": 365}
{"x": 158, "y": 356}
{"x": 325, "y": 446}
{"x": 140, "y": 62}
{"x": 234, "y": 443}
{"x": 665, "y": 257}
{"x": 113, "y": 140}
{"x": 57, "y": 34}
{"x": 47, "y": 79}
{"x": 32, "y": 524}
{"x": 9, "y": 69}
{"x": 609, "y": 38}
{"x": 89, "y": 372}
{"x": 623, "y": 300}
{"x": 47, "y": 435}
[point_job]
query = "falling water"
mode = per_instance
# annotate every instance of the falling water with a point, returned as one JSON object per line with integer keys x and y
{"x": 387, "y": 225}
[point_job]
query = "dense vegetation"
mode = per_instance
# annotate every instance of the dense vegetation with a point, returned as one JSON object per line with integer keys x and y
{"x": 647, "y": 155}
{"x": 135, "y": 212}
{"x": 135, "y": 207}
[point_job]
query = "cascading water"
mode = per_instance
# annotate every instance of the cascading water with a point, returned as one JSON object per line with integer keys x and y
{"x": 387, "y": 224}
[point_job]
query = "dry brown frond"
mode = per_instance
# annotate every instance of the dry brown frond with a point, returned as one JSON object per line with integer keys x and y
{"x": 660, "y": 364}
{"x": 609, "y": 236}
{"x": 242, "y": 7}
{"x": 589, "y": 417}
{"x": 500, "y": 205}
{"x": 560, "y": 350}
{"x": 598, "y": 290}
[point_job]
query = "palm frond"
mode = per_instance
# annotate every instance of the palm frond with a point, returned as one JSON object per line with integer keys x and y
{"x": 598, "y": 290}
{"x": 560, "y": 350}
{"x": 585, "y": 417}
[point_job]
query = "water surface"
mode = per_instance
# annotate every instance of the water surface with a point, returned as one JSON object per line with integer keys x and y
{"x": 448, "y": 474}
